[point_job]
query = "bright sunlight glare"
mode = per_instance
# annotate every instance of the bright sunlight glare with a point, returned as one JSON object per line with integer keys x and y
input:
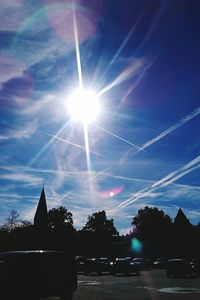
{"x": 83, "y": 106}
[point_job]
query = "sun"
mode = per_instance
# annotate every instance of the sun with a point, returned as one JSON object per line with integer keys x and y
{"x": 83, "y": 106}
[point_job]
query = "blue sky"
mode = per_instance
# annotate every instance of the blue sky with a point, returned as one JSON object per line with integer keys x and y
{"x": 142, "y": 59}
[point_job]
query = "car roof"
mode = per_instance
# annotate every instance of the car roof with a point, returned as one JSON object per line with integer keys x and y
{"x": 123, "y": 258}
{"x": 32, "y": 252}
{"x": 175, "y": 259}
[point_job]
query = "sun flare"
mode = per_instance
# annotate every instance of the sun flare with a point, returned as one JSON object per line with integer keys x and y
{"x": 83, "y": 106}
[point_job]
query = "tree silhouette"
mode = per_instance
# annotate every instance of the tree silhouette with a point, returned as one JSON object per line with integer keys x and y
{"x": 97, "y": 238}
{"x": 59, "y": 218}
{"x": 151, "y": 220}
{"x": 13, "y": 220}
{"x": 62, "y": 234}
{"x": 154, "y": 227}
{"x": 98, "y": 223}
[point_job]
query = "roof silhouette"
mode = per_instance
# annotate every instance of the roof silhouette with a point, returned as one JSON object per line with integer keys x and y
{"x": 181, "y": 218}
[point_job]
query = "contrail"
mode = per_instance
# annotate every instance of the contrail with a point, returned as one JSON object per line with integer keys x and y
{"x": 175, "y": 173}
{"x": 180, "y": 175}
{"x": 181, "y": 122}
{"x": 162, "y": 182}
{"x": 65, "y": 195}
{"x": 129, "y": 72}
{"x": 73, "y": 144}
{"x": 124, "y": 43}
{"x": 33, "y": 160}
{"x": 136, "y": 83}
{"x": 117, "y": 136}
{"x": 165, "y": 181}
{"x": 100, "y": 173}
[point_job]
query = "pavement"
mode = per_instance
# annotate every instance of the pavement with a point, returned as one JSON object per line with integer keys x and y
{"x": 151, "y": 285}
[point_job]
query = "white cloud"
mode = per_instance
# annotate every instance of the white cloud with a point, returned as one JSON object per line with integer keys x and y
{"x": 25, "y": 132}
{"x": 22, "y": 177}
{"x": 28, "y": 26}
{"x": 10, "y": 67}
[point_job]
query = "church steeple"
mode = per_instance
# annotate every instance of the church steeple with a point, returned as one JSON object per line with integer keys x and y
{"x": 40, "y": 218}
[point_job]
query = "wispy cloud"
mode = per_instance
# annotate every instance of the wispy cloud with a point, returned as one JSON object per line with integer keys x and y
{"x": 132, "y": 70}
{"x": 44, "y": 102}
{"x": 24, "y": 132}
{"x": 24, "y": 178}
{"x": 13, "y": 14}
{"x": 24, "y": 27}
{"x": 10, "y": 67}
{"x": 194, "y": 215}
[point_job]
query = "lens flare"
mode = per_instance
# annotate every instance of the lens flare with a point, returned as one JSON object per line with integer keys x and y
{"x": 60, "y": 17}
{"x": 136, "y": 245}
{"x": 111, "y": 192}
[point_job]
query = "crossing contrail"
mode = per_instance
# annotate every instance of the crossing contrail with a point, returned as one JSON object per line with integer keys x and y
{"x": 165, "y": 181}
{"x": 75, "y": 145}
{"x": 118, "y": 137}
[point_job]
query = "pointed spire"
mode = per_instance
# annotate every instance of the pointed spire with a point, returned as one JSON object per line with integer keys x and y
{"x": 181, "y": 218}
{"x": 40, "y": 218}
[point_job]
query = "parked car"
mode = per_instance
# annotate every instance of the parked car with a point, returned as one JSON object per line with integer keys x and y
{"x": 143, "y": 263}
{"x": 37, "y": 273}
{"x": 196, "y": 262}
{"x": 160, "y": 263}
{"x": 80, "y": 262}
{"x": 179, "y": 268}
{"x": 92, "y": 265}
{"x": 124, "y": 265}
{"x": 105, "y": 264}
{"x": 96, "y": 265}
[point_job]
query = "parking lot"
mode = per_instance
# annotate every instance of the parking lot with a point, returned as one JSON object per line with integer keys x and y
{"x": 149, "y": 285}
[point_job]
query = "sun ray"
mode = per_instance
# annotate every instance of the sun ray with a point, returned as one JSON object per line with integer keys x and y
{"x": 85, "y": 126}
{"x": 78, "y": 56}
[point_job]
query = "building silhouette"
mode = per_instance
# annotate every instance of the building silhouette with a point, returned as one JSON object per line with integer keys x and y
{"x": 41, "y": 215}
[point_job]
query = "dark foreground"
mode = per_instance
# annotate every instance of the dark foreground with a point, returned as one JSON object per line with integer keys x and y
{"x": 152, "y": 285}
